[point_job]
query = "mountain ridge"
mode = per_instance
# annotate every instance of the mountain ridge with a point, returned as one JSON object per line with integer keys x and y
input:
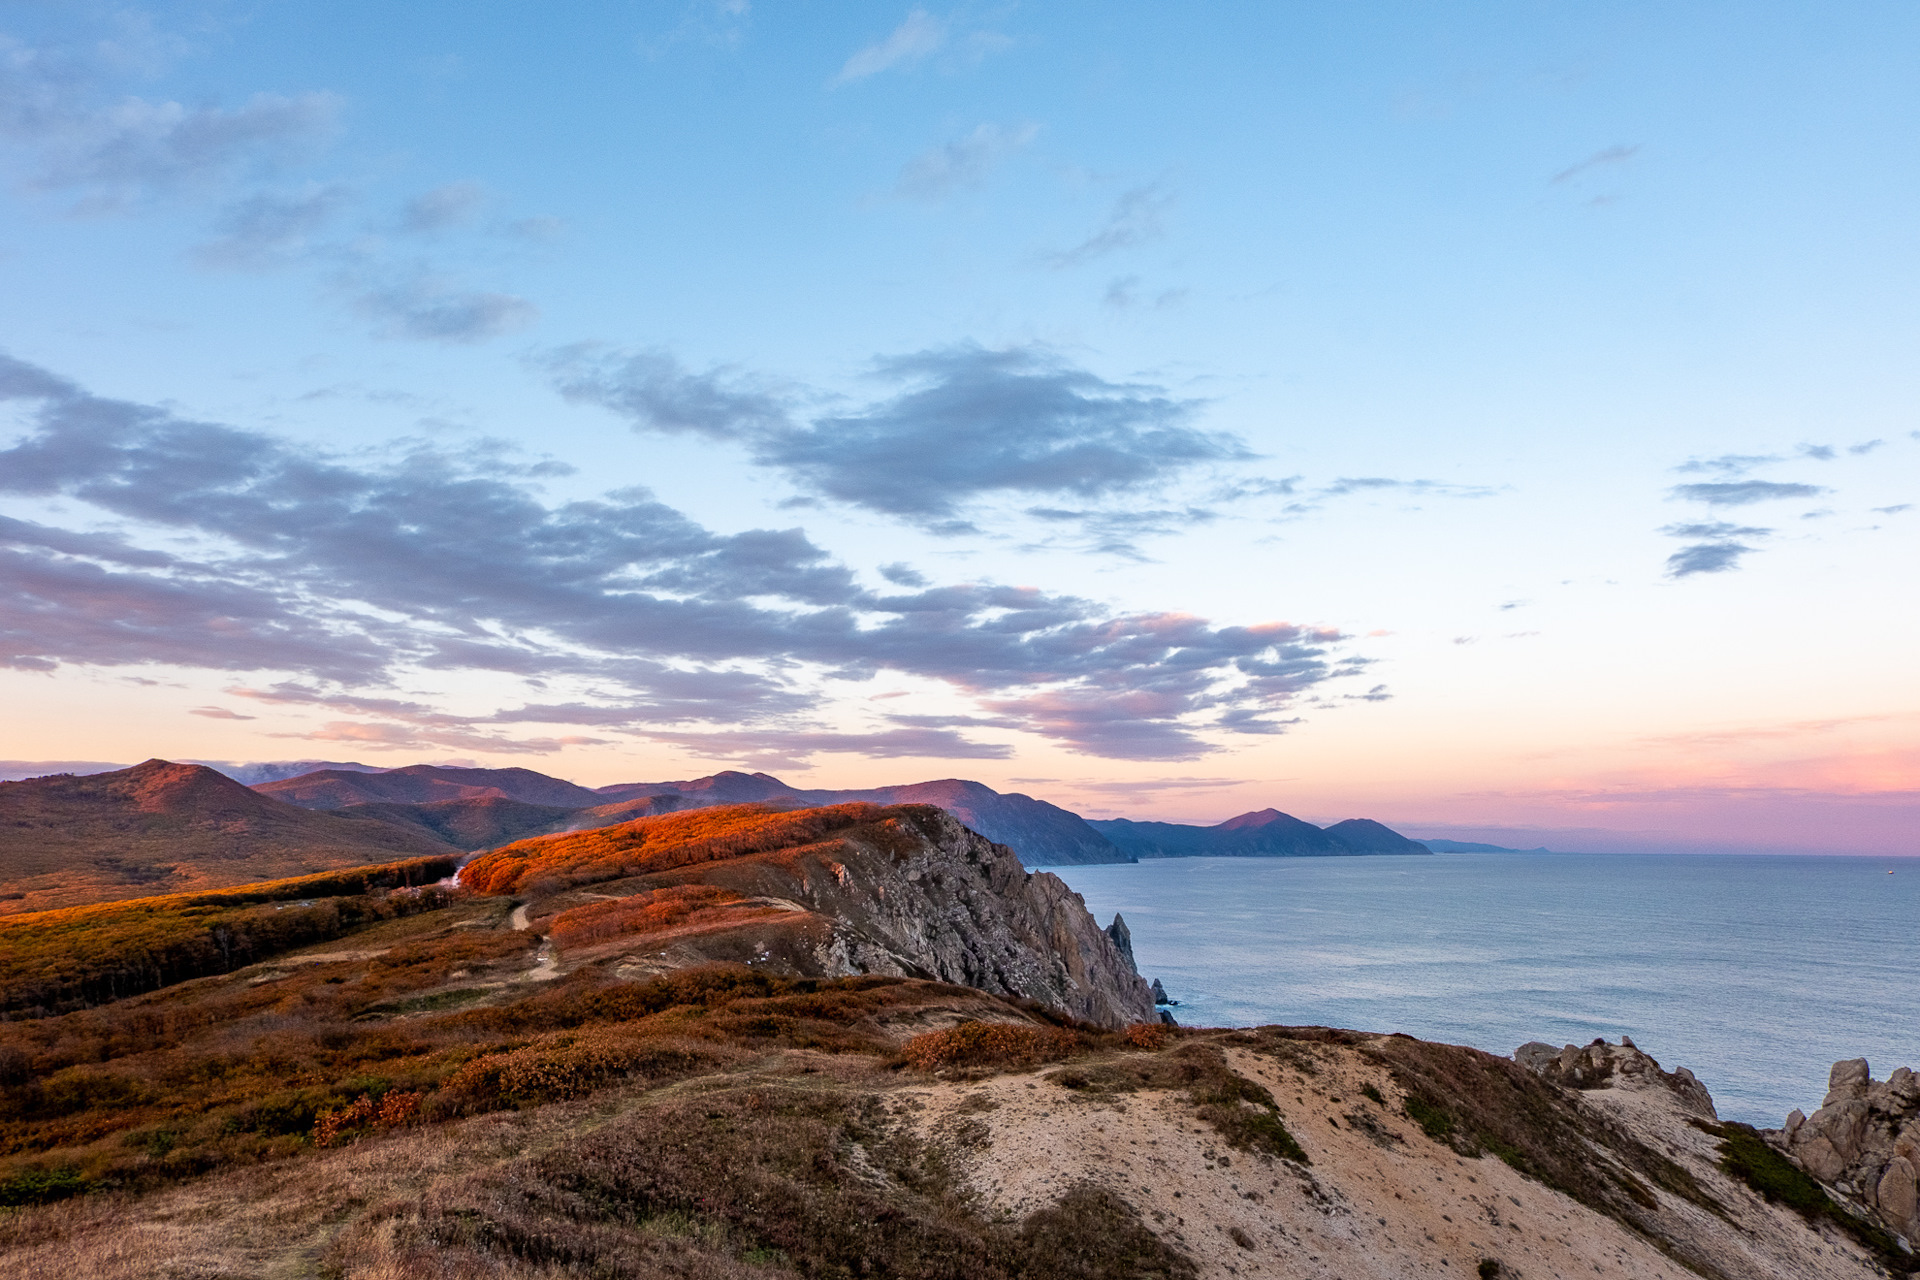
{"x": 160, "y": 827}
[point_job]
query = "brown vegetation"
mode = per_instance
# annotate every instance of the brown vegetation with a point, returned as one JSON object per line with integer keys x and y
{"x": 651, "y": 911}
{"x": 664, "y": 843}
{"x": 166, "y": 828}
{"x": 53, "y": 961}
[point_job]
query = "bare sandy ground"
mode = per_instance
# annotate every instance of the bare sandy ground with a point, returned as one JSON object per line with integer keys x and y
{"x": 1379, "y": 1200}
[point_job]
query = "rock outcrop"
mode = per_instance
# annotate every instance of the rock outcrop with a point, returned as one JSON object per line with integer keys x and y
{"x": 1864, "y": 1142}
{"x": 850, "y": 889}
{"x": 1601, "y": 1065}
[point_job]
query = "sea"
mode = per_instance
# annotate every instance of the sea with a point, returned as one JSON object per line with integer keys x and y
{"x": 1757, "y": 972}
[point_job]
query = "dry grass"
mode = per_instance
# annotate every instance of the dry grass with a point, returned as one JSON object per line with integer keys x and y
{"x": 164, "y": 828}
{"x": 55, "y": 961}
{"x": 547, "y": 864}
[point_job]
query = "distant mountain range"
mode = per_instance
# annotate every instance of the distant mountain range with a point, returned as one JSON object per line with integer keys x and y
{"x": 162, "y": 827}
{"x": 1267, "y": 833}
{"x": 491, "y": 806}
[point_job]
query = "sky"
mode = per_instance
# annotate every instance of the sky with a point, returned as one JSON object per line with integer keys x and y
{"x": 1499, "y": 421}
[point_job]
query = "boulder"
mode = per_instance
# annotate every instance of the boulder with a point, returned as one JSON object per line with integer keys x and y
{"x": 1897, "y": 1195}
{"x": 1864, "y": 1142}
{"x": 1604, "y": 1066}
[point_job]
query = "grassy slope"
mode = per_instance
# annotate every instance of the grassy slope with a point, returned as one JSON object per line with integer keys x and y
{"x": 57, "y": 960}
{"x": 166, "y": 828}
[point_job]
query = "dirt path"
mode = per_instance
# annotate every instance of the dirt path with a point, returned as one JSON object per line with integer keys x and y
{"x": 546, "y": 961}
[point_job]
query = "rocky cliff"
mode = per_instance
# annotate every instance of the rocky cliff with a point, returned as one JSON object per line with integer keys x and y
{"x": 826, "y": 892}
{"x": 1864, "y": 1142}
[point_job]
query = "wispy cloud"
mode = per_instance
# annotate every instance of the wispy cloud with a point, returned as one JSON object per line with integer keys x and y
{"x": 968, "y": 422}
{"x": 963, "y": 163}
{"x": 269, "y": 230}
{"x": 442, "y": 208}
{"x": 1138, "y": 216}
{"x": 62, "y": 108}
{"x": 1606, "y": 157}
{"x": 1740, "y": 493}
{"x": 434, "y": 307}
{"x": 344, "y": 579}
{"x": 917, "y": 38}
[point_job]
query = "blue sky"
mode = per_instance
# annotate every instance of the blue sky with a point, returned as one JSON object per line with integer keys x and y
{"x": 1546, "y": 370}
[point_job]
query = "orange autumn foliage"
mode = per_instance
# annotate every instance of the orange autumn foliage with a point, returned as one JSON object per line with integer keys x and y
{"x": 651, "y": 912}
{"x": 990, "y": 1044}
{"x": 660, "y": 843}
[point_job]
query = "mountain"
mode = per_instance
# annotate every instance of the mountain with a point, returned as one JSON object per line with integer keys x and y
{"x": 1042, "y": 834}
{"x": 468, "y": 824}
{"x": 1364, "y": 835}
{"x": 427, "y": 784}
{"x": 160, "y": 827}
{"x": 1265, "y": 833}
{"x": 255, "y": 772}
{"x": 729, "y": 786}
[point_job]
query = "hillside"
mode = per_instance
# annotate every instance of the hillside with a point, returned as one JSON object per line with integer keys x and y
{"x": 426, "y": 784}
{"x": 1266, "y": 833}
{"x": 469, "y": 824}
{"x": 850, "y": 888}
{"x": 741, "y": 1042}
{"x": 168, "y": 828}
{"x": 1042, "y": 834}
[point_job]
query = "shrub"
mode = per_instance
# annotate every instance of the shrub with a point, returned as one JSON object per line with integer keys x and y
{"x": 1148, "y": 1035}
{"x": 649, "y": 912}
{"x": 990, "y": 1044}
{"x": 671, "y": 840}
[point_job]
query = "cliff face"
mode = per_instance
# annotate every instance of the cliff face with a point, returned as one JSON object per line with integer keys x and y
{"x": 1864, "y": 1142}
{"x": 848, "y": 889}
{"x": 955, "y": 906}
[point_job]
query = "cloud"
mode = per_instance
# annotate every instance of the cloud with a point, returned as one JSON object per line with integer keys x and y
{"x": 346, "y": 580}
{"x": 1123, "y": 294}
{"x": 655, "y": 392}
{"x": 1604, "y": 158}
{"x": 218, "y": 713}
{"x": 966, "y": 423}
{"x": 1728, "y": 464}
{"x": 1714, "y": 529}
{"x": 963, "y": 163}
{"x": 443, "y": 207}
{"x": 1865, "y": 446}
{"x": 1706, "y": 557}
{"x": 57, "y": 106}
{"x": 1344, "y": 485}
{"x": 1740, "y": 493}
{"x": 1137, "y": 216}
{"x": 267, "y": 230}
{"x": 792, "y": 748}
{"x": 435, "y": 308}
{"x": 914, "y": 40}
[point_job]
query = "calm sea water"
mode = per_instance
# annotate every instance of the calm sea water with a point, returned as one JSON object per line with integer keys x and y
{"x": 1757, "y": 972}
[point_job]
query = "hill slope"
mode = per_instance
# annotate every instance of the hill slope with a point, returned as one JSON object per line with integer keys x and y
{"x": 426, "y": 784}
{"x": 827, "y": 891}
{"x": 169, "y": 828}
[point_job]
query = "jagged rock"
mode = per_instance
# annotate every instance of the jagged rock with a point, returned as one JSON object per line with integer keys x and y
{"x": 973, "y": 915}
{"x": 1160, "y": 994}
{"x": 1122, "y": 939}
{"x": 1864, "y": 1142}
{"x": 1601, "y": 1065}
